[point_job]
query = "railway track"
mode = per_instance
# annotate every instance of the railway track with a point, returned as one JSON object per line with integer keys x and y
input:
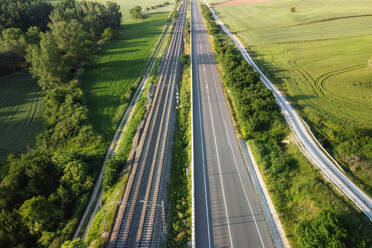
{"x": 140, "y": 205}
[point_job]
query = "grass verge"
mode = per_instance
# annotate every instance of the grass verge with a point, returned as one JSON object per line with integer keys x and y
{"x": 111, "y": 196}
{"x": 111, "y": 80}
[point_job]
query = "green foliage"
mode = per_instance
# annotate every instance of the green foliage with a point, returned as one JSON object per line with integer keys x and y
{"x": 185, "y": 59}
{"x": 179, "y": 190}
{"x": 39, "y": 214}
{"x": 136, "y": 13}
{"x": 70, "y": 42}
{"x": 76, "y": 243}
{"x": 324, "y": 231}
{"x": 24, "y": 14}
{"x": 113, "y": 168}
{"x": 109, "y": 34}
{"x": 48, "y": 186}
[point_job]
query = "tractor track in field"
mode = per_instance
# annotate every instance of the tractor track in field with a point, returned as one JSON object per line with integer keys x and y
{"x": 318, "y": 84}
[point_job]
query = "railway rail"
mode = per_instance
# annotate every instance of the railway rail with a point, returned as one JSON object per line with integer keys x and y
{"x": 139, "y": 208}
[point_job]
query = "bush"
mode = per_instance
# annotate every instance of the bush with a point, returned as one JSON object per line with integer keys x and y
{"x": 185, "y": 59}
{"x": 112, "y": 171}
{"x": 324, "y": 231}
{"x": 136, "y": 13}
{"x": 109, "y": 34}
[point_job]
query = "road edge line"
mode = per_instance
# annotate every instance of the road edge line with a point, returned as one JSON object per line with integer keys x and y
{"x": 192, "y": 138}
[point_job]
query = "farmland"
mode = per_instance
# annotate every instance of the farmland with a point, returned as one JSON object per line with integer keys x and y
{"x": 115, "y": 73}
{"x": 126, "y": 5}
{"x": 21, "y": 119}
{"x": 318, "y": 56}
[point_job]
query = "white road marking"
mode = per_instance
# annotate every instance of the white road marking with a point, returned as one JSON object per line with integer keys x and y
{"x": 236, "y": 166}
{"x": 219, "y": 165}
{"x": 203, "y": 161}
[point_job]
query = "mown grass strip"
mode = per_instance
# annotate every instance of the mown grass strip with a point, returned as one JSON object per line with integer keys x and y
{"x": 21, "y": 113}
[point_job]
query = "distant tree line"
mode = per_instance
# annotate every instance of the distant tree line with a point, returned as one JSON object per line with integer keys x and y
{"x": 82, "y": 23}
{"x": 23, "y": 14}
{"x": 157, "y": 6}
{"x": 260, "y": 119}
{"x": 44, "y": 191}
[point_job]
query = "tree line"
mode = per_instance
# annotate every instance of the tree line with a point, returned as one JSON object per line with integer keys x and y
{"x": 260, "y": 119}
{"x": 44, "y": 191}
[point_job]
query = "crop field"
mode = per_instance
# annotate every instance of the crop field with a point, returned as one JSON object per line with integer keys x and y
{"x": 318, "y": 55}
{"x": 20, "y": 112}
{"x": 115, "y": 73}
{"x": 126, "y": 5}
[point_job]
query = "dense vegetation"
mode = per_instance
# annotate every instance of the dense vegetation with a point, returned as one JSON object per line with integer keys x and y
{"x": 319, "y": 57}
{"x": 20, "y": 24}
{"x": 24, "y": 14}
{"x": 334, "y": 224}
{"x": 179, "y": 189}
{"x": 45, "y": 190}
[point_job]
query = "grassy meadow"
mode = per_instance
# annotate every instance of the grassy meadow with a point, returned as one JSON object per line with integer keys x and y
{"x": 21, "y": 102}
{"x": 115, "y": 73}
{"x": 318, "y": 56}
{"x": 126, "y": 5}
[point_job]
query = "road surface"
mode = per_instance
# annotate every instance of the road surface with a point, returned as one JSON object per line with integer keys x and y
{"x": 227, "y": 211}
{"x": 306, "y": 140}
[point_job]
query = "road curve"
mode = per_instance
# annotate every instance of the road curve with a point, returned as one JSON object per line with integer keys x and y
{"x": 308, "y": 143}
{"x": 227, "y": 210}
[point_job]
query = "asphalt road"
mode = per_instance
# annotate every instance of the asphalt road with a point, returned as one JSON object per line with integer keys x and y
{"x": 227, "y": 211}
{"x": 309, "y": 145}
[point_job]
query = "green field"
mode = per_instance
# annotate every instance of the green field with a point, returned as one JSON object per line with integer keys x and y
{"x": 117, "y": 70}
{"x": 126, "y": 5}
{"x": 318, "y": 57}
{"x": 21, "y": 109}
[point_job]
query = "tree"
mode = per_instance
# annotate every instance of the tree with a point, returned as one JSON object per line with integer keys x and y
{"x": 112, "y": 170}
{"x": 24, "y": 14}
{"x": 136, "y": 12}
{"x": 47, "y": 62}
{"x": 72, "y": 41}
{"x": 39, "y": 214}
{"x": 76, "y": 243}
{"x": 109, "y": 34}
